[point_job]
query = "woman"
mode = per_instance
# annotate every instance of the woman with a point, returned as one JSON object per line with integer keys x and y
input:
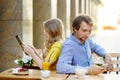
{"x": 53, "y": 43}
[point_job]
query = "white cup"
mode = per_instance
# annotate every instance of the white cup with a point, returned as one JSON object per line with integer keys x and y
{"x": 80, "y": 72}
{"x": 15, "y": 70}
{"x": 30, "y": 72}
{"x": 45, "y": 73}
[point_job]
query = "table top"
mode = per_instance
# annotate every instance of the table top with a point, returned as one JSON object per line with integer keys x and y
{"x": 111, "y": 76}
{"x": 35, "y": 75}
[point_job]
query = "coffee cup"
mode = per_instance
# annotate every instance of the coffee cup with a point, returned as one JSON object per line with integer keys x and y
{"x": 45, "y": 73}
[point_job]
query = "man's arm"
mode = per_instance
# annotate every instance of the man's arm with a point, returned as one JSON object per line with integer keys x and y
{"x": 96, "y": 48}
{"x": 109, "y": 62}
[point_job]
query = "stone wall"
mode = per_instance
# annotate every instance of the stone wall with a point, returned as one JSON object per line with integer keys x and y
{"x": 10, "y": 25}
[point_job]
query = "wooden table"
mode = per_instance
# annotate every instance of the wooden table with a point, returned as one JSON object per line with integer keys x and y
{"x": 7, "y": 75}
{"x": 97, "y": 77}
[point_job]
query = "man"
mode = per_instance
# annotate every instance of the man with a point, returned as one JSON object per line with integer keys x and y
{"x": 77, "y": 50}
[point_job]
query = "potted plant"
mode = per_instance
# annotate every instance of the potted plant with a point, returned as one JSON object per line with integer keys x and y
{"x": 25, "y": 62}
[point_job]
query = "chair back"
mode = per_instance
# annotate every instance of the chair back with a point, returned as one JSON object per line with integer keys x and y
{"x": 116, "y": 62}
{"x": 115, "y": 59}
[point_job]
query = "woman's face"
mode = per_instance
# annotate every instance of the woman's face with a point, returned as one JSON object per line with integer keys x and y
{"x": 47, "y": 35}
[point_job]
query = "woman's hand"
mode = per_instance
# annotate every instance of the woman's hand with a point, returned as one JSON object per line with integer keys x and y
{"x": 31, "y": 50}
{"x": 28, "y": 49}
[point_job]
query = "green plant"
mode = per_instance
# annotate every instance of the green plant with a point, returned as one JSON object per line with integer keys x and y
{"x": 25, "y": 61}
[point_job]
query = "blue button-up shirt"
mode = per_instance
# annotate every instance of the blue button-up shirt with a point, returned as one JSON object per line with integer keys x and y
{"x": 75, "y": 53}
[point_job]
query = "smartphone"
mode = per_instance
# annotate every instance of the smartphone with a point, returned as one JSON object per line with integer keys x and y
{"x": 99, "y": 64}
{"x": 20, "y": 42}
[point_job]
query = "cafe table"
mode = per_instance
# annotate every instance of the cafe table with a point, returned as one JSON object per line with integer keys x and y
{"x": 108, "y": 76}
{"x": 33, "y": 75}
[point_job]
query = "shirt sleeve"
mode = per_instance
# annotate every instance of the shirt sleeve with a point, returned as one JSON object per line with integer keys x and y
{"x": 64, "y": 63}
{"x": 97, "y": 48}
{"x": 54, "y": 52}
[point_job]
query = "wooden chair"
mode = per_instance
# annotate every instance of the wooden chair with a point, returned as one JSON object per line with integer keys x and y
{"x": 116, "y": 62}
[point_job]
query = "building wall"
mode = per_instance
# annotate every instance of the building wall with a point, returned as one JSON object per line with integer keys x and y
{"x": 15, "y": 19}
{"x": 10, "y": 25}
{"x": 41, "y": 12}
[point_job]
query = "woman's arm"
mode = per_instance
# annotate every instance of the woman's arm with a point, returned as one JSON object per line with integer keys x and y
{"x": 31, "y": 50}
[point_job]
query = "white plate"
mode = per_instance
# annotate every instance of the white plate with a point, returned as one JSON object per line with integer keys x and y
{"x": 17, "y": 71}
{"x": 21, "y": 73}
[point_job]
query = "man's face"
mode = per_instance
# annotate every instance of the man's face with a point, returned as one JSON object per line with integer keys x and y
{"x": 84, "y": 31}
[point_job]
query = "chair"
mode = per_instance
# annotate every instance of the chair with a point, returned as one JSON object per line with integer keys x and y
{"x": 115, "y": 59}
{"x": 116, "y": 62}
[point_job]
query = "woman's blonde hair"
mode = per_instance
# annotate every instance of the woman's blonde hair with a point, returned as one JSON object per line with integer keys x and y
{"x": 54, "y": 28}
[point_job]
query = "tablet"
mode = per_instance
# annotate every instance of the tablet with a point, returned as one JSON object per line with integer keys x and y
{"x": 20, "y": 42}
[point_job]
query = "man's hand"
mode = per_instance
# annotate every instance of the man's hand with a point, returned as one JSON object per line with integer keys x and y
{"x": 109, "y": 62}
{"x": 94, "y": 70}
